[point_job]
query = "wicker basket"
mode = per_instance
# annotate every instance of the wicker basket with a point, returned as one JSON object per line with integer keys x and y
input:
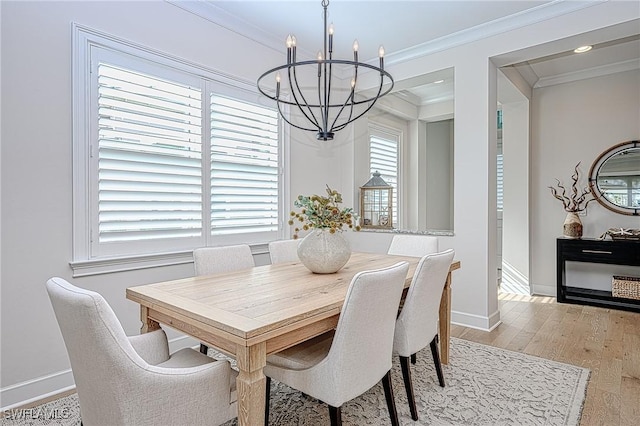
{"x": 627, "y": 287}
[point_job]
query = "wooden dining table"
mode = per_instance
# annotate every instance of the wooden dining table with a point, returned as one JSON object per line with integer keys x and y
{"x": 252, "y": 313}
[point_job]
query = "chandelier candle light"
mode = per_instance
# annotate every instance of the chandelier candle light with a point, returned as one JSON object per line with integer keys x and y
{"x": 326, "y": 116}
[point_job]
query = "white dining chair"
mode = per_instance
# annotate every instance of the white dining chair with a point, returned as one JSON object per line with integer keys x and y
{"x": 413, "y": 245}
{"x": 216, "y": 260}
{"x": 417, "y": 324}
{"x": 283, "y": 251}
{"x": 339, "y": 366}
{"x": 134, "y": 380}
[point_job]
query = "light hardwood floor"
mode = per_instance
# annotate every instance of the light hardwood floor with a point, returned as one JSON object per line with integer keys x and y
{"x": 606, "y": 341}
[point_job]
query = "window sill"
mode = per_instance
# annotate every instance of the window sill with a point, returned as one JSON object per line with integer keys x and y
{"x": 85, "y": 268}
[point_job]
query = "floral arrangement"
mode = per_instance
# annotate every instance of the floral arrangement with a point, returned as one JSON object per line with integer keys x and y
{"x": 577, "y": 200}
{"x": 318, "y": 212}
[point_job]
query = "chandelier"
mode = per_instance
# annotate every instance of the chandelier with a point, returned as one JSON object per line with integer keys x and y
{"x": 309, "y": 86}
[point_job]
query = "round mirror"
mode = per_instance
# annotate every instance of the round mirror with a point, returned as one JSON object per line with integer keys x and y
{"x": 614, "y": 178}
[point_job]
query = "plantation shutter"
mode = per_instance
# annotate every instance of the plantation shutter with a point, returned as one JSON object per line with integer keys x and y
{"x": 383, "y": 157}
{"x": 149, "y": 157}
{"x": 244, "y": 167}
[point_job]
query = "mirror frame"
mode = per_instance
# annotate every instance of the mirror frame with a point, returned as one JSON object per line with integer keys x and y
{"x": 593, "y": 178}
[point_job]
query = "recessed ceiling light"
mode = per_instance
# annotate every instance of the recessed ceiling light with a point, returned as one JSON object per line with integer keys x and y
{"x": 583, "y": 49}
{"x": 438, "y": 81}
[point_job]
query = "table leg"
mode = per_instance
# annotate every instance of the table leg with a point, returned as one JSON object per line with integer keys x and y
{"x": 148, "y": 325}
{"x": 445, "y": 320}
{"x": 251, "y": 384}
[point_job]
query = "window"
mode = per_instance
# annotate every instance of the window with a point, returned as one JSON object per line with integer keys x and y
{"x": 244, "y": 167}
{"x": 167, "y": 157}
{"x": 149, "y": 157}
{"x": 383, "y": 157}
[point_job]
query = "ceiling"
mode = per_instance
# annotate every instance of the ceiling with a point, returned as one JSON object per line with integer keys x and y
{"x": 434, "y": 25}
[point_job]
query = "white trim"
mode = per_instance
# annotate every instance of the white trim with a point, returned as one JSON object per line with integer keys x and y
{"x": 86, "y": 37}
{"x": 630, "y": 65}
{"x": 502, "y": 25}
{"x": 214, "y": 14}
{"x": 476, "y": 321}
{"x": 45, "y": 386}
{"x": 544, "y": 290}
{"x": 86, "y": 268}
{"x": 543, "y": 12}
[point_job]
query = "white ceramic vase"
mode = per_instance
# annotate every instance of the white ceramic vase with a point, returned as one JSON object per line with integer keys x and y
{"x": 323, "y": 252}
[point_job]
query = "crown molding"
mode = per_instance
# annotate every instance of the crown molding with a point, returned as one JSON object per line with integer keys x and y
{"x": 208, "y": 10}
{"x": 489, "y": 29}
{"x": 569, "y": 77}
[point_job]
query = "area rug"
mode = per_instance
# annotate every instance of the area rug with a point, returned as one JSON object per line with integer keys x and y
{"x": 484, "y": 386}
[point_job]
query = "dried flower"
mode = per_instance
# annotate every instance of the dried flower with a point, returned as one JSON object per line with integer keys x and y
{"x": 317, "y": 212}
{"x": 577, "y": 200}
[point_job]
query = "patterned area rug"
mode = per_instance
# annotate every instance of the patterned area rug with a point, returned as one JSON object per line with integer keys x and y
{"x": 485, "y": 386}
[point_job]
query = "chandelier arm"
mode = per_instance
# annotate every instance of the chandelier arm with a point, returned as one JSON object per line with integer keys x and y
{"x": 327, "y": 85}
{"x": 311, "y": 116}
{"x": 349, "y": 119}
{"x": 321, "y": 108}
{"x": 315, "y": 62}
{"x": 346, "y": 102}
{"x": 334, "y": 61}
{"x": 290, "y": 123}
{"x": 327, "y": 95}
{"x": 373, "y": 101}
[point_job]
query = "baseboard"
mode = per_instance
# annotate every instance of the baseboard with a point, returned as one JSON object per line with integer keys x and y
{"x": 41, "y": 388}
{"x": 544, "y": 290}
{"x": 476, "y": 321}
{"x": 29, "y": 391}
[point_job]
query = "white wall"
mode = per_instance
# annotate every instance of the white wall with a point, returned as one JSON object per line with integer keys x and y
{"x": 36, "y": 161}
{"x": 515, "y": 223}
{"x": 571, "y": 123}
{"x": 36, "y": 166}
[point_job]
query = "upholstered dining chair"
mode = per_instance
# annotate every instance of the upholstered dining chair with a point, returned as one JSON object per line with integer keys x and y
{"x": 413, "y": 245}
{"x": 134, "y": 380}
{"x": 417, "y": 324}
{"x": 214, "y": 260}
{"x": 338, "y": 366}
{"x": 283, "y": 251}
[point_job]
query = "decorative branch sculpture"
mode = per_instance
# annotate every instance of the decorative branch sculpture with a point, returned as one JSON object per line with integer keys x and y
{"x": 577, "y": 200}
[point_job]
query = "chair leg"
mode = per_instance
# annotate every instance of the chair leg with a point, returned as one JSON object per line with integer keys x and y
{"x": 413, "y": 359}
{"x": 408, "y": 385}
{"x": 203, "y": 348}
{"x": 335, "y": 414}
{"x": 436, "y": 360}
{"x": 266, "y": 401}
{"x": 391, "y": 402}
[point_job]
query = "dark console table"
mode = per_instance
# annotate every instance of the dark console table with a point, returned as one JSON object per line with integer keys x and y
{"x": 620, "y": 252}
